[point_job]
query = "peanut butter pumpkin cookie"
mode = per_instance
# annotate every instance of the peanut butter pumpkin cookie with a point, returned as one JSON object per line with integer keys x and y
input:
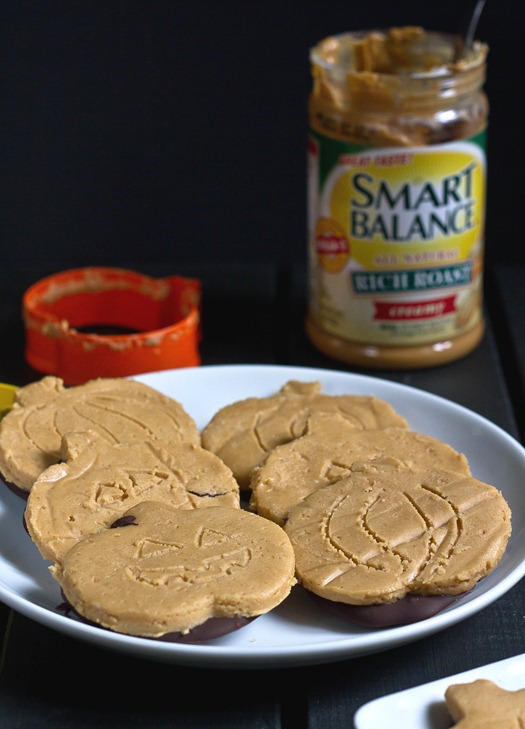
{"x": 98, "y": 481}
{"x": 120, "y": 410}
{"x": 388, "y": 531}
{"x": 326, "y": 453}
{"x": 165, "y": 572}
{"x": 244, "y": 432}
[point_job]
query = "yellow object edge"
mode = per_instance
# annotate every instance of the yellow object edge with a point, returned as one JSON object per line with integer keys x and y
{"x": 7, "y": 393}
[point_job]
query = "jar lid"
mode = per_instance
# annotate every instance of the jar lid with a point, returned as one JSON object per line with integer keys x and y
{"x": 110, "y": 322}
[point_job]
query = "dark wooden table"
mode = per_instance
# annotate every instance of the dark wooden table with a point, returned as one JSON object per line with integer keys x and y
{"x": 254, "y": 314}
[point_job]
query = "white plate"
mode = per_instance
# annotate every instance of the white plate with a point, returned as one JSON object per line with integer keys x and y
{"x": 423, "y": 707}
{"x": 298, "y": 632}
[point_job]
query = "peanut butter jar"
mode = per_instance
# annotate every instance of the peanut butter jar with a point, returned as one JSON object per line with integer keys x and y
{"x": 396, "y": 198}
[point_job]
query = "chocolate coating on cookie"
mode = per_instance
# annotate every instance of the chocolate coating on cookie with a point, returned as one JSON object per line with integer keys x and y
{"x": 128, "y": 520}
{"x": 21, "y": 493}
{"x": 209, "y": 630}
{"x": 406, "y": 610}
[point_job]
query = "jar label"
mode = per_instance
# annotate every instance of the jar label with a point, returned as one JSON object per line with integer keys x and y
{"x": 396, "y": 239}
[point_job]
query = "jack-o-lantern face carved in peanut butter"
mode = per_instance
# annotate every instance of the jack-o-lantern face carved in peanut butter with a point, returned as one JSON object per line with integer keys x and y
{"x": 98, "y": 481}
{"x": 388, "y": 530}
{"x": 162, "y": 570}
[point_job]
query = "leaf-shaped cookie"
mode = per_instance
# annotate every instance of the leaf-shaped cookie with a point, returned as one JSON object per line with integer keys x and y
{"x": 482, "y": 704}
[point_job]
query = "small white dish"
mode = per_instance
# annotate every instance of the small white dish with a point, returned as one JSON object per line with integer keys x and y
{"x": 298, "y": 632}
{"x": 423, "y": 707}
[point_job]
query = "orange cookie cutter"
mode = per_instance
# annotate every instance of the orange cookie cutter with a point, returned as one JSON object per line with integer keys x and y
{"x": 163, "y": 316}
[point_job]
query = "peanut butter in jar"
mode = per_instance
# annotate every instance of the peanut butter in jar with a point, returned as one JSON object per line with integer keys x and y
{"x": 396, "y": 198}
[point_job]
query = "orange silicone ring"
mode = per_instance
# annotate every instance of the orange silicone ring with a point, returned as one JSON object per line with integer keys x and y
{"x": 163, "y": 314}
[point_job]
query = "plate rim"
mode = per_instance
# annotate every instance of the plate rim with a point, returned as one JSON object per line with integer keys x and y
{"x": 494, "y": 671}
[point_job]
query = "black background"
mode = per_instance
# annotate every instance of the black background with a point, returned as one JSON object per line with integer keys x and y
{"x": 163, "y": 131}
